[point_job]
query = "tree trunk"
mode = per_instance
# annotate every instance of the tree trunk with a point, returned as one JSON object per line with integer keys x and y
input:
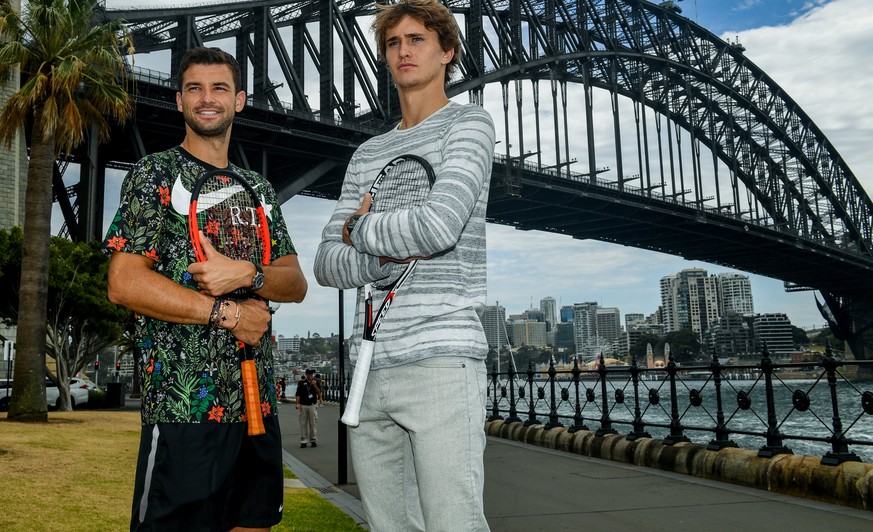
{"x": 28, "y": 390}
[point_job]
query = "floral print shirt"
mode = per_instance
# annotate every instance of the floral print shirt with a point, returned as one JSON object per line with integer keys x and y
{"x": 189, "y": 373}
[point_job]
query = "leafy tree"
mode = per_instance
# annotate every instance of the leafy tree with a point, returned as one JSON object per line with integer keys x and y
{"x": 641, "y": 345}
{"x": 81, "y": 320}
{"x": 72, "y": 73}
{"x": 798, "y": 336}
{"x": 828, "y": 335}
{"x": 684, "y": 345}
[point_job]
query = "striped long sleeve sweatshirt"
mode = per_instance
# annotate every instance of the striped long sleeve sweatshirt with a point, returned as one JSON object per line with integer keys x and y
{"x": 436, "y": 312}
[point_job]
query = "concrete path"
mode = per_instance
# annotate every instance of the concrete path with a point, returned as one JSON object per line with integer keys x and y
{"x": 531, "y": 488}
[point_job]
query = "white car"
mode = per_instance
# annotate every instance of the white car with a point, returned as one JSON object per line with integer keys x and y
{"x": 78, "y": 393}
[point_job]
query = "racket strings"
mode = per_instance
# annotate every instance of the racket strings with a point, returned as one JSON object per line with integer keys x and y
{"x": 405, "y": 185}
{"x": 228, "y": 215}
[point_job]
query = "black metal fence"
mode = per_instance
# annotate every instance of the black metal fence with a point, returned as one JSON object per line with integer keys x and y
{"x": 763, "y": 405}
{"x": 748, "y": 403}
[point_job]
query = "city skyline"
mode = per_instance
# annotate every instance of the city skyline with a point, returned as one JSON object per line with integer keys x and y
{"x": 526, "y": 266}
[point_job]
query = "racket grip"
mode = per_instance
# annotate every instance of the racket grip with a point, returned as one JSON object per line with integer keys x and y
{"x": 252, "y": 397}
{"x": 352, "y": 414}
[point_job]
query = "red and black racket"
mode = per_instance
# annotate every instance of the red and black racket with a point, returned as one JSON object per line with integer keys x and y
{"x": 228, "y": 211}
{"x": 404, "y": 182}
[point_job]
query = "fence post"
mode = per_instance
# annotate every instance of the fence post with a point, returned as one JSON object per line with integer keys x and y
{"x": 495, "y": 411}
{"x": 839, "y": 448}
{"x": 578, "y": 422}
{"x": 774, "y": 438}
{"x": 676, "y": 433}
{"x": 513, "y": 412}
{"x": 531, "y": 413}
{"x": 639, "y": 426}
{"x": 553, "y": 405}
{"x": 605, "y": 420}
{"x": 722, "y": 434}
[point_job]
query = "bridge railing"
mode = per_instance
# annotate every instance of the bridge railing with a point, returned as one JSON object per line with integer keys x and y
{"x": 814, "y": 408}
{"x": 578, "y": 177}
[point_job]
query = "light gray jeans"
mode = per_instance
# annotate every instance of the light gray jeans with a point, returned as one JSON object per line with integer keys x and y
{"x": 418, "y": 452}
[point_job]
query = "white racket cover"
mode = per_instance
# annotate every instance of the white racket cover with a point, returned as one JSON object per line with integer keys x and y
{"x": 352, "y": 414}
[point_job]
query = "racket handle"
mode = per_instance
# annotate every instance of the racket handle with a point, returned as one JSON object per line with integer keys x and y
{"x": 252, "y": 397}
{"x": 352, "y": 414}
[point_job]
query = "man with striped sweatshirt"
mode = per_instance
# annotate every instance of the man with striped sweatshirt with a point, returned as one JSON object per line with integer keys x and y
{"x": 418, "y": 450}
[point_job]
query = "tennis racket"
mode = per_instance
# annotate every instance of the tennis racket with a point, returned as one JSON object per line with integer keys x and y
{"x": 227, "y": 209}
{"x": 403, "y": 183}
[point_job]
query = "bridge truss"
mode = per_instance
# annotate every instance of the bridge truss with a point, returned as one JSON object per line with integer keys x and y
{"x": 619, "y": 120}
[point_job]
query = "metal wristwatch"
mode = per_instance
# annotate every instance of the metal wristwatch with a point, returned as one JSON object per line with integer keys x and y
{"x": 258, "y": 279}
{"x": 353, "y": 221}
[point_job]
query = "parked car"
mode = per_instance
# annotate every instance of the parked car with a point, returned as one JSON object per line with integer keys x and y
{"x": 83, "y": 383}
{"x": 78, "y": 393}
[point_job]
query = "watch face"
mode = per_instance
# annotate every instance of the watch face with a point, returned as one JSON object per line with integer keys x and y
{"x": 258, "y": 279}
{"x": 353, "y": 221}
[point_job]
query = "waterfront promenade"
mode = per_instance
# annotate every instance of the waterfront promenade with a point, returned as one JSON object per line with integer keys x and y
{"x": 533, "y": 488}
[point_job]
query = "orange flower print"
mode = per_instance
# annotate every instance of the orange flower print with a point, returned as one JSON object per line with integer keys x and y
{"x": 265, "y": 408}
{"x": 165, "y": 195}
{"x": 211, "y": 227}
{"x": 151, "y": 367}
{"x": 116, "y": 243}
{"x": 152, "y": 254}
{"x": 216, "y": 413}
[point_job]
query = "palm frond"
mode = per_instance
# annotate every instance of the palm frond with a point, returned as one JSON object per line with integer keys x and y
{"x": 72, "y": 69}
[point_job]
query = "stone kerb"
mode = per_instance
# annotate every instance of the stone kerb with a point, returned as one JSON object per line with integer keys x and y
{"x": 848, "y": 484}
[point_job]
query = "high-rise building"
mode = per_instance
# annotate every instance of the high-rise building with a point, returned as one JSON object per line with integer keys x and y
{"x": 549, "y": 307}
{"x": 566, "y": 313}
{"x": 775, "y": 330}
{"x": 633, "y": 319}
{"x": 494, "y": 324}
{"x": 608, "y": 324}
{"x": 731, "y": 336}
{"x": 585, "y": 325}
{"x": 530, "y": 332}
{"x": 13, "y": 161}
{"x": 689, "y": 300}
{"x": 13, "y": 174}
{"x": 734, "y": 294}
{"x": 290, "y": 345}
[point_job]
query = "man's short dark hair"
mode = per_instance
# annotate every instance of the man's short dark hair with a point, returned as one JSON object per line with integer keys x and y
{"x": 203, "y": 55}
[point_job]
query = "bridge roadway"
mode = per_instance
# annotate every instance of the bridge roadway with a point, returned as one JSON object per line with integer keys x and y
{"x": 532, "y": 488}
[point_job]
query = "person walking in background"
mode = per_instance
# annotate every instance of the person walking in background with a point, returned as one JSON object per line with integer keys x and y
{"x": 198, "y": 469}
{"x": 308, "y": 396}
{"x": 418, "y": 450}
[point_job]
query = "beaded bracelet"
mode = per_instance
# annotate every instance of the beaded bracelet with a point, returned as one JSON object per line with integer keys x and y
{"x": 216, "y": 312}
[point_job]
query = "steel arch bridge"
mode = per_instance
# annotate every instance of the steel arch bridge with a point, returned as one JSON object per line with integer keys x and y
{"x": 652, "y": 132}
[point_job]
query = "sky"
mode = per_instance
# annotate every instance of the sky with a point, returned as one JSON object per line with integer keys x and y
{"x": 816, "y": 50}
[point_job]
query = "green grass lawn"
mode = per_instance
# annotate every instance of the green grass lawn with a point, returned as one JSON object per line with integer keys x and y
{"x": 75, "y": 473}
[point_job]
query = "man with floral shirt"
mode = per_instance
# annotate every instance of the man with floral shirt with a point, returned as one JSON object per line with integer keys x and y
{"x": 198, "y": 469}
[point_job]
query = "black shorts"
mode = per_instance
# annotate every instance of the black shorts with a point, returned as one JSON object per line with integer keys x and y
{"x": 209, "y": 477}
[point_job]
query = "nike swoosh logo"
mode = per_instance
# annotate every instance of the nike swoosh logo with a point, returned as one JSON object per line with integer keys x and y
{"x": 180, "y": 198}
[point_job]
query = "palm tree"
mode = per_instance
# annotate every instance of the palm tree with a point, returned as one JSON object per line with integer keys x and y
{"x": 72, "y": 74}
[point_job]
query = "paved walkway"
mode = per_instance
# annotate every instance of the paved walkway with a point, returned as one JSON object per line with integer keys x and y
{"x": 532, "y": 488}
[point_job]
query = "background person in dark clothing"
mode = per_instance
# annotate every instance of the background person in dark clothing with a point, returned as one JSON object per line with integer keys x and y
{"x": 307, "y": 398}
